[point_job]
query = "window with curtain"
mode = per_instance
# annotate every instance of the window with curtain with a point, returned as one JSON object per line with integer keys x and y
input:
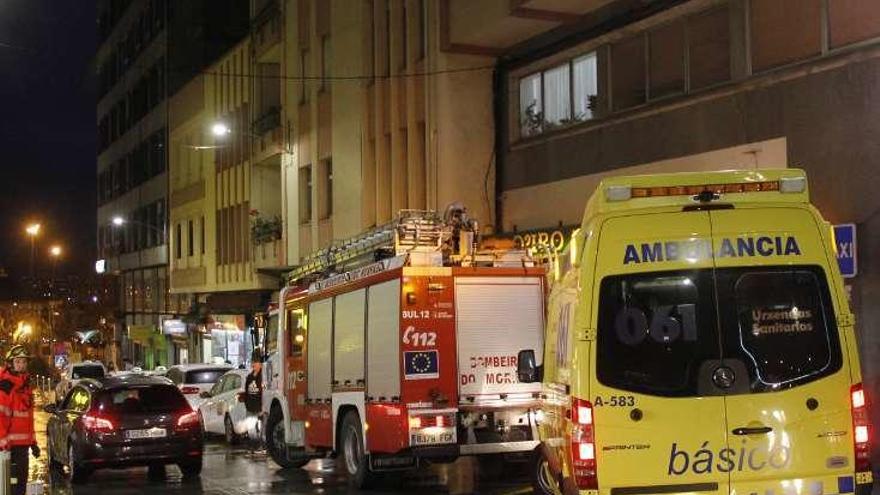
{"x": 557, "y": 95}
{"x": 586, "y": 86}
{"x": 530, "y": 105}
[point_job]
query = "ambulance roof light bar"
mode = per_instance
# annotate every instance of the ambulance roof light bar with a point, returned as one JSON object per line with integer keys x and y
{"x": 616, "y": 193}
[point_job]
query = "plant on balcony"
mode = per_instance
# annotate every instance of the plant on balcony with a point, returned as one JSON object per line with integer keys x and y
{"x": 265, "y": 230}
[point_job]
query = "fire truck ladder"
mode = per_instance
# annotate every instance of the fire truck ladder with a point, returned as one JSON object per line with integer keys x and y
{"x": 412, "y": 230}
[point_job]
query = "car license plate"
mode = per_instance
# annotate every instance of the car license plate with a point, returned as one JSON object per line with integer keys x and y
{"x": 148, "y": 433}
{"x": 432, "y": 436}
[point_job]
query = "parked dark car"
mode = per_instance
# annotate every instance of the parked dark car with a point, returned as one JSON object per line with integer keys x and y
{"x": 115, "y": 422}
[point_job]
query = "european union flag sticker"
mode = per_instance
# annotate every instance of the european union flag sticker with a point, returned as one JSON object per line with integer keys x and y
{"x": 421, "y": 365}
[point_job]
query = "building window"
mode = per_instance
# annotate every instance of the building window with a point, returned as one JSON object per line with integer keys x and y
{"x": 325, "y": 61}
{"x": 178, "y": 251}
{"x": 628, "y": 73}
{"x": 423, "y": 36}
{"x": 531, "y": 106}
{"x": 586, "y": 86}
{"x": 557, "y": 96}
{"x": 190, "y": 239}
{"x": 784, "y": 31}
{"x": 303, "y": 63}
{"x": 851, "y": 21}
{"x": 708, "y": 48}
{"x": 202, "y": 234}
{"x": 325, "y": 189}
{"x": 404, "y": 35}
{"x": 666, "y": 60}
{"x": 305, "y": 194}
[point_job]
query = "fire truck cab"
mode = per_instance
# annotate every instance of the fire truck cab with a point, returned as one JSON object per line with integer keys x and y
{"x": 407, "y": 358}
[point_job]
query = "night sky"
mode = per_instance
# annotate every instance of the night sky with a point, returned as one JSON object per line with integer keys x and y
{"x": 47, "y": 132}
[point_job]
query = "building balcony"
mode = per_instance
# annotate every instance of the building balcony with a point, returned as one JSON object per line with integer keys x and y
{"x": 489, "y": 27}
{"x": 266, "y": 28}
{"x": 269, "y": 255}
{"x": 270, "y": 136}
{"x": 269, "y": 120}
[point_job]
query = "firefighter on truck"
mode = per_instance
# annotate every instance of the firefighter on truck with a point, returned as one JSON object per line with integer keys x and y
{"x": 699, "y": 339}
{"x": 399, "y": 348}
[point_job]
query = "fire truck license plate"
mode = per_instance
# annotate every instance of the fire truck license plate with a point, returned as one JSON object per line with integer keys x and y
{"x": 432, "y": 436}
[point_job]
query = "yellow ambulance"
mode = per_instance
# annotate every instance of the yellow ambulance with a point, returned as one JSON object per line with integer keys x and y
{"x": 700, "y": 342}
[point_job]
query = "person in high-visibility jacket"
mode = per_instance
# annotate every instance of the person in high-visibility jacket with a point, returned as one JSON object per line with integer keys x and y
{"x": 17, "y": 416}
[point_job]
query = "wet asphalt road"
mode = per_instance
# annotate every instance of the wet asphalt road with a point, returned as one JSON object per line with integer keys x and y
{"x": 237, "y": 471}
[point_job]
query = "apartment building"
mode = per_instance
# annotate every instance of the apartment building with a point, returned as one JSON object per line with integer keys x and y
{"x": 136, "y": 61}
{"x": 225, "y": 203}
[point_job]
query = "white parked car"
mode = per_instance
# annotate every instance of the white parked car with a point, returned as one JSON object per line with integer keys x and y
{"x": 76, "y": 372}
{"x": 193, "y": 379}
{"x": 222, "y": 412}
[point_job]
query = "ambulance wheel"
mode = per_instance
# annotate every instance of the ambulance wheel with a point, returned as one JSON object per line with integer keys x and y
{"x": 543, "y": 480}
{"x": 276, "y": 444}
{"x": 355, "y": 461}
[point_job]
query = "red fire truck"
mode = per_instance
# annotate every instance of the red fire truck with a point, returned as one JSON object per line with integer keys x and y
{"x": 407, "y": 358}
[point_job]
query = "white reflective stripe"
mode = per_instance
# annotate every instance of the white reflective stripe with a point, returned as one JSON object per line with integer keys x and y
{"x": 19, "y": 436}
{"x": 5, "y": 410}
{"x": 21, "y": 414}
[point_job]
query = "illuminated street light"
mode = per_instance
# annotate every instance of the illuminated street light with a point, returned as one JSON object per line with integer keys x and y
{"x": 118, "y": 221}
{"x": 23, "y": 331}
{"x": 220, "y": 129}
{"x": 55, "y": 251}
{"x": 33, "y": 230}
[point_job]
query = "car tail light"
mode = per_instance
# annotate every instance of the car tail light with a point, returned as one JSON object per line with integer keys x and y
{"x": 861, "y": 428}
{"x": 94, "y": 422}
{"x": 190, "y": 390}
{"x": 189, "y": 419}
{"x": 583, "y": 447}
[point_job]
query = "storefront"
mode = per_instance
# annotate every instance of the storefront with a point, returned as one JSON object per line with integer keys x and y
{"x": 148, "y": 348}
{"x": 176, "y": 337}
{"x": 230, "y": 340}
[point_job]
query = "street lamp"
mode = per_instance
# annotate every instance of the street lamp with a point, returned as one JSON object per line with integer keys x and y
{"x": 33, "y": 230}
{"x": 55, "y": 252}
{"x": 220, "y": 129}
{"x": 119, "y": 221}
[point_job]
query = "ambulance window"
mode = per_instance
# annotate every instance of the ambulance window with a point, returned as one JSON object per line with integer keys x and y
{"x": 655, "y": 330}
{"x": 296, "y": 329}
{"x": 785, "y": 331}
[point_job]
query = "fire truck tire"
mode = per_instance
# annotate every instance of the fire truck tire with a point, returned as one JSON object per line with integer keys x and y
{"x": 354, "y": 461}
{"x": 275, "y": 442}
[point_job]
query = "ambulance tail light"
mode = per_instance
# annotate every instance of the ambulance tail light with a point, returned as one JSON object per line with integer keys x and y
{"x": 583, "y": 446}
{"x": 861, "y": 428}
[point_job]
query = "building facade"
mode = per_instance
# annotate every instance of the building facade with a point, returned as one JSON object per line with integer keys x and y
{"x": 225, "y": 205}
{"x": 135, "y": 66}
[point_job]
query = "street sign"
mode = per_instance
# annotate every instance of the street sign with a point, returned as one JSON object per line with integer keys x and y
{"x": 845, "y": 242}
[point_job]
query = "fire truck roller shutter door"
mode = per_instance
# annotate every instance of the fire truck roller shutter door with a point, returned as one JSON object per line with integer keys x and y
{"x": 348, "y": 339}
{"x": 383, "y": 340}
{"x": 320, "y": 342}
{"x": 497, "y": 317}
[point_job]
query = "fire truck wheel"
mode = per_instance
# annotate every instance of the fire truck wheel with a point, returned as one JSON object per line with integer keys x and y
{"x": 275, "y": 442}
{"x": 354, "y": 460}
